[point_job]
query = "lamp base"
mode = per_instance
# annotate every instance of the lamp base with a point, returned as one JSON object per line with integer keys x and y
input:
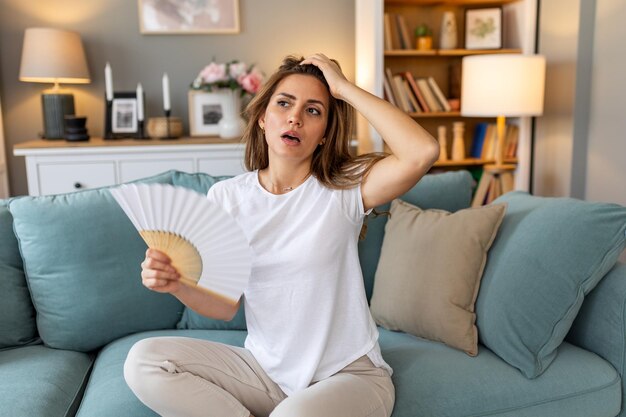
{"x": 55, "y": 106}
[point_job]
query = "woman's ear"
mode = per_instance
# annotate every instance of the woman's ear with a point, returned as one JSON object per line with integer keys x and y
{"x": 262, "y": 123}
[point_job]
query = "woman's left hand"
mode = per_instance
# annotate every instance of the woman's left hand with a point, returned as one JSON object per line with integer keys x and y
{"x": 334, "y": 77}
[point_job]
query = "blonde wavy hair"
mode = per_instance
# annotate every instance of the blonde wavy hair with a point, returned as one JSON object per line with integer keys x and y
{"x": 332, "y": 163}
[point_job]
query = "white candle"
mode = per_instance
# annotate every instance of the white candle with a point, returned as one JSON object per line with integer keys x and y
{"x": 166, "y": 92}
{"x": 139, "y": 102}
{"x": 108, "y": 82}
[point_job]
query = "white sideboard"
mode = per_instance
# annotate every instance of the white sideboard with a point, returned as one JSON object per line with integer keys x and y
{"x": 55, "y": 167}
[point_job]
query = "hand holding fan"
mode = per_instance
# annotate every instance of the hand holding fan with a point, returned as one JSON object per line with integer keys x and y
{"x": 205, "y": 244}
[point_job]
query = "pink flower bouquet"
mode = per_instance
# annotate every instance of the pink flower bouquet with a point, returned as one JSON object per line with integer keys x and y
{"x": 235, "y": 75}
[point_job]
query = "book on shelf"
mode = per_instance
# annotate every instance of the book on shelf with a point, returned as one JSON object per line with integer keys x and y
{"x": 477, "y": 141}
{"x": 429, "y": 96}
{"x": 387, "y": 29}
{"x": 417, "y": 92}
{"x": 388, "y": 92}
{"x": 443, "y": 101}
{"x": 392, "y": 86}
{"x": 403, "y": 32}
{"x": 511, "y": 141}
{"x": 412, "y": 99}
{"x": 485, "y": 139}
{"x": 489, "y": 145}
{"x": 393, "y": 32}
{"x": 401, "y": 96}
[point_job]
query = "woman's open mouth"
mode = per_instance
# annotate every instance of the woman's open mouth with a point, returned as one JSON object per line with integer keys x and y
{"x": 290, "y": 137}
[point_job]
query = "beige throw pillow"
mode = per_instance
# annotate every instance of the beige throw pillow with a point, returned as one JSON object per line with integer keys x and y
{"x": 429, "y": 271}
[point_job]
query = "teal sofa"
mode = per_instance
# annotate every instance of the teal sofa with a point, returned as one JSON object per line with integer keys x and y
{"x": 72, "y": 305}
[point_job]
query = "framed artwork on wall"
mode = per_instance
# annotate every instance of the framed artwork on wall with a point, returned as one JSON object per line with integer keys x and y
{"x": 205, "y": 111}
{"x": 181, "y": 17}
{"x": 483, "y": 28}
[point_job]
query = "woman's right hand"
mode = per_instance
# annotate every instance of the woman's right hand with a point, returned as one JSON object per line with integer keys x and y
{"x": 158, "y": 274}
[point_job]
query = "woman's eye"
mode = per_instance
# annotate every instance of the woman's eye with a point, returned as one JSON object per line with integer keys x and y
{"x": 314, "y": 111}
{"x": 282, "y": 103}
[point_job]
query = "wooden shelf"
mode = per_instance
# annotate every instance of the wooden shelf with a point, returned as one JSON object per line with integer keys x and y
{"x": 435, "y": 114}
{"x": 450, "y": 2}
{"x": 448, "y": 52}
{"x": 471, "y": 162}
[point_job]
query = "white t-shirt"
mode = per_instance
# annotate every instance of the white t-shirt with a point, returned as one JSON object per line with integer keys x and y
{"x": 306, "y": 308}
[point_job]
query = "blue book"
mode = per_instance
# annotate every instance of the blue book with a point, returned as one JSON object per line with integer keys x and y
{"x": 479, "y": 139}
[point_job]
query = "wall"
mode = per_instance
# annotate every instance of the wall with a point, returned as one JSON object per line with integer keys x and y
{"x": 270, "y": 29}
{"x": 580, "y": 145}
{"x": 606, "y": 151}
{"x": 580, "y": 150}
{"x": 558, "y": 41}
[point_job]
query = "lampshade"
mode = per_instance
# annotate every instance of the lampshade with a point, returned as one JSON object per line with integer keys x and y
{"x": 53, "y": 56}
{"x": 502, "y": 85}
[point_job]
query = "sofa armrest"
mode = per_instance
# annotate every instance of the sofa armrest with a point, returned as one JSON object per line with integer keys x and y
{"x": 600, "y": 326}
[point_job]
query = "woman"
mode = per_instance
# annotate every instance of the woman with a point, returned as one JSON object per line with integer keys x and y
{"x": 312, "y": 346}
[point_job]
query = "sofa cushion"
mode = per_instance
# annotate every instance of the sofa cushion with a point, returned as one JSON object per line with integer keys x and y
{"x": 82, "y": 260}
{"x": 434, "y": 380}
{"x": 107, "y": 393}
{"x": 17, "y": 315}
{"x": 43, "y": 382}
{"x": 450, "y": 191}
{"x": 549, "y": 253}
{"x": 429, "y": 271}
{"x": 193, "y": 320}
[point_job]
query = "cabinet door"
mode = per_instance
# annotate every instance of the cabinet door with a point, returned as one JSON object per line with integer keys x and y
{"x": 68, "y": 177}
{"x": 221, "y": 166}
{"x": 134, "y": 170}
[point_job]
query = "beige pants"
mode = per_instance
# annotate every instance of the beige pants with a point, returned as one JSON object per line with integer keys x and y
{"x": 177, "y": 376}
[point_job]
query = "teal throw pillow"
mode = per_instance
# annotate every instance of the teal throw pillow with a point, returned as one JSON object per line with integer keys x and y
{"x": 82, "y": 260}
{"x": 549, "y": 253}
{"x": 17, "y": 315}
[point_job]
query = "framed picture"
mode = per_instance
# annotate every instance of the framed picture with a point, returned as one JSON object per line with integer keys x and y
{"x": 483, "y": 28}
{"x": 124, "y": 115}
{"x": 121, "y": 116}
{"x": 181, "y": 17}
{"x": 205, "y": 112}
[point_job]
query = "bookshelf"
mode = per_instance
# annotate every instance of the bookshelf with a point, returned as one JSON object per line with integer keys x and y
{"x": 4, "y": 174}
{"x": 443, "y": 65}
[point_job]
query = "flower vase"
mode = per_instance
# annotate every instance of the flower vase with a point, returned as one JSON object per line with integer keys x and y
{"x": 448, "y": 36}
{"x": 231, "y": 125}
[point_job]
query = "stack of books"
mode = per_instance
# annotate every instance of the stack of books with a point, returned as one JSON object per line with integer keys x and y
{"x": 414, "y": 95}
{"x": 397, "y": 35}
{"x": 485, "y": 139}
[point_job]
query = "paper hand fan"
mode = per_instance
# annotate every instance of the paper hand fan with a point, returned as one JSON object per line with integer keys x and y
{"x": 207, "y": 247}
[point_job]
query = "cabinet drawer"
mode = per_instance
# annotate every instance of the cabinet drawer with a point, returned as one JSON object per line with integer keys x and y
{"x": 134, "y": 170}
{"x": 221, "y": 166}
{"x": 69, "y": 177}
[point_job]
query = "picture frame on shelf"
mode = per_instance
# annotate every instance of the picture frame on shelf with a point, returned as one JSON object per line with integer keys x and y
{"x": 184, "y": 17}
{"x": 121, "y": 119}
{"x": 483, "y": 28}
{"x": 205, "y": 111}
{"x": 124, "y": 115}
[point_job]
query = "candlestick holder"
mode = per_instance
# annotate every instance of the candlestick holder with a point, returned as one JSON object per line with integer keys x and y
{"x": 167, "y": 122}
{"x": 107, "y": 119}
{"x": 141, "y": 134}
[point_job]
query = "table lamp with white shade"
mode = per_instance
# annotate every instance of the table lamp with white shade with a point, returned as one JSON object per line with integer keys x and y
{"x": 54, "y": 56}
{"x": 501, "y": 85}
